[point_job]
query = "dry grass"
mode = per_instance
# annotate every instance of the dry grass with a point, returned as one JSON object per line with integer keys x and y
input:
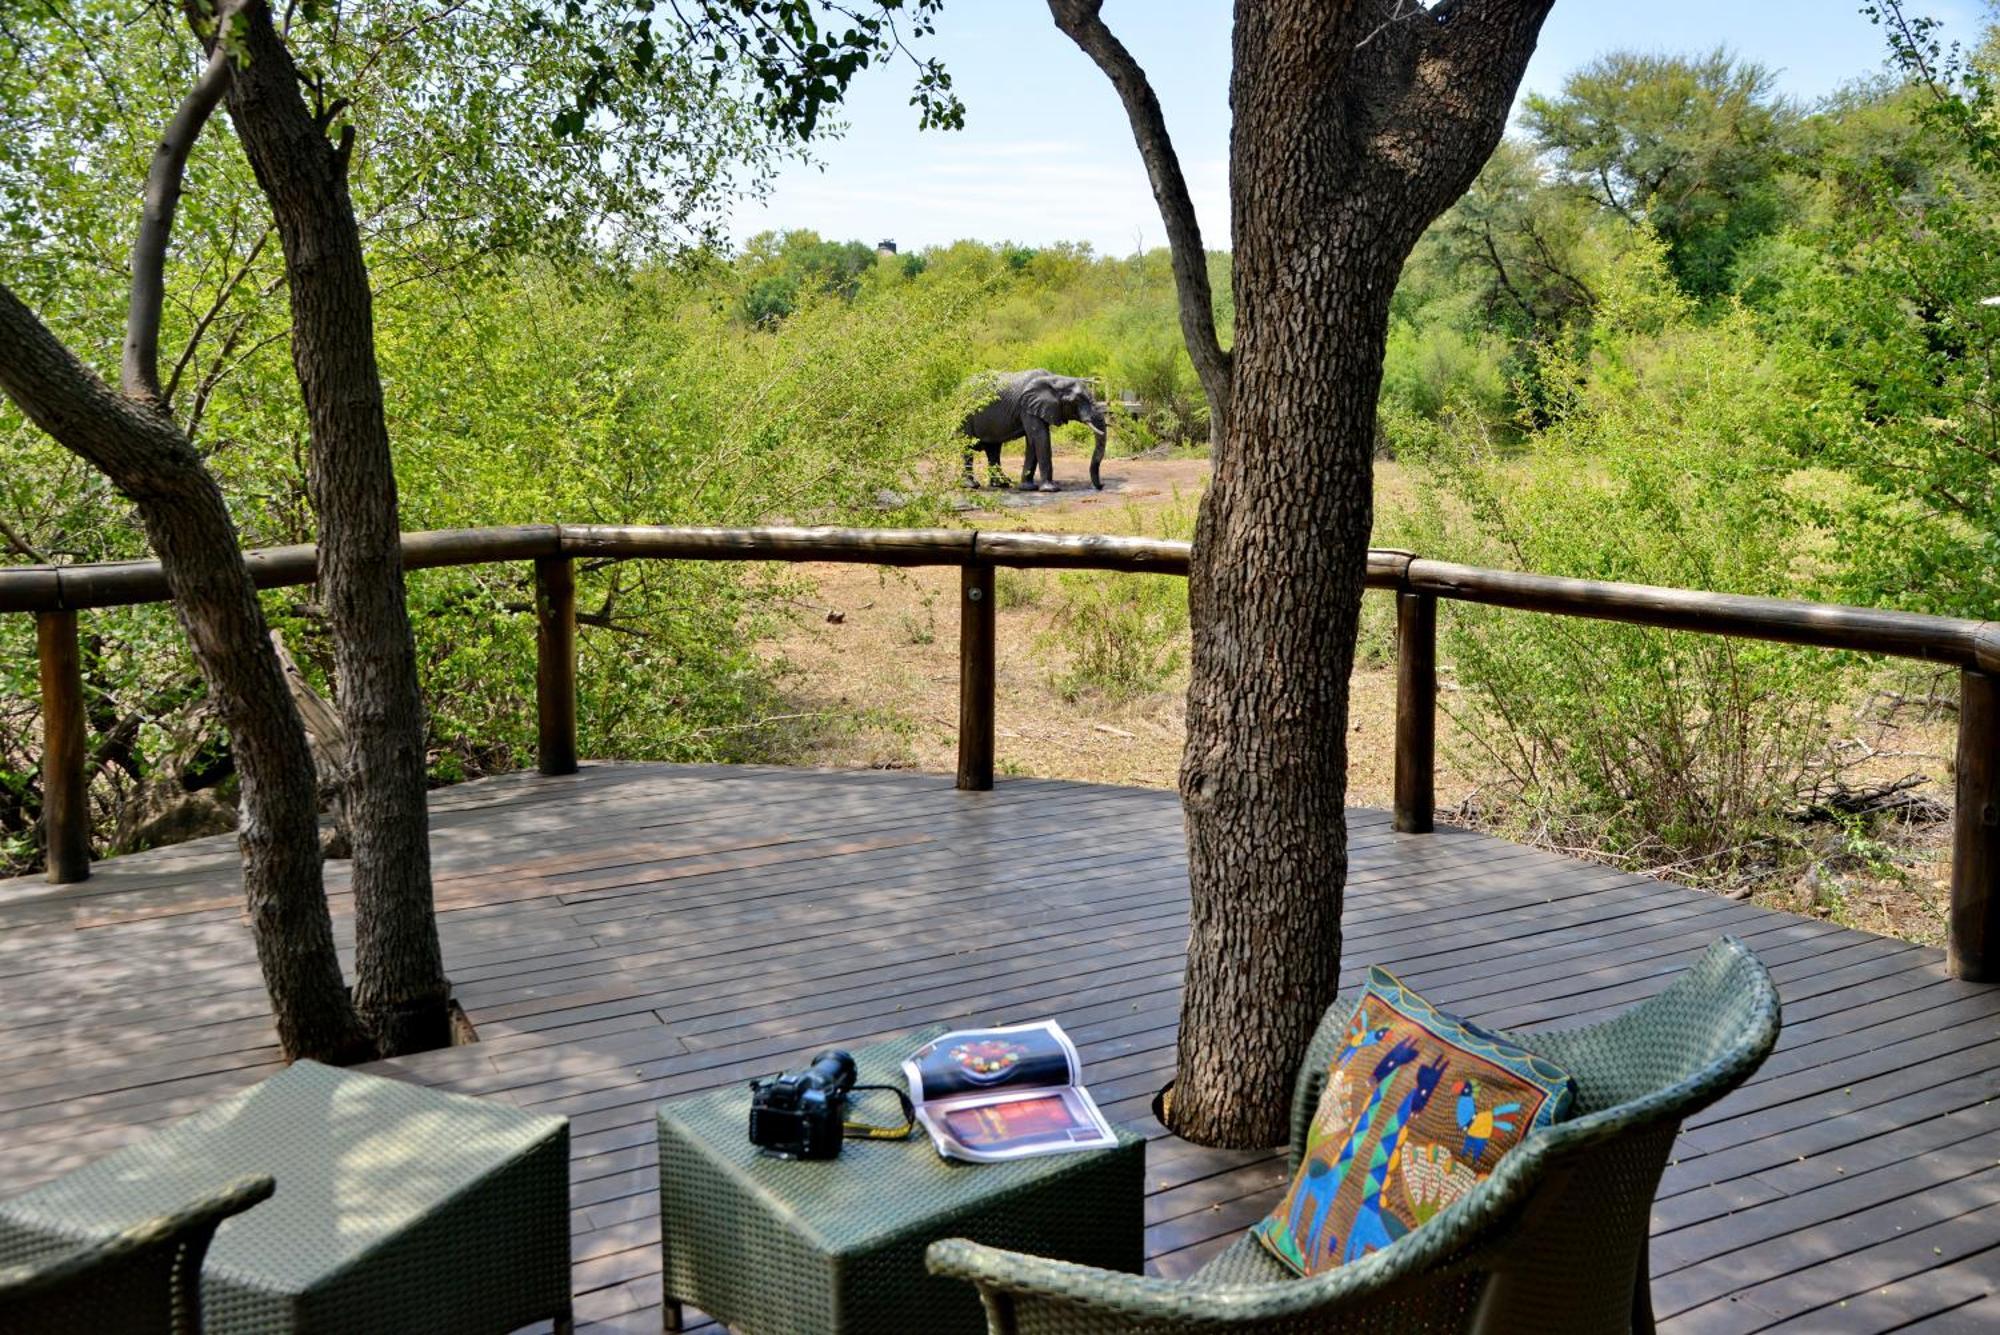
{"x": 889, "y": 666}
{"x": 872, "y": 658}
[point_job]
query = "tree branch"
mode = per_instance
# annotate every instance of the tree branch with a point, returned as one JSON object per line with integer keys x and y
{"x": 141, "y": 370}
{"x": 1446, "y": 85}
{"x": 143, "y": 453}
{"x": 1080, "y": 20}
{"x": 1500, "y": 273}
{"x": 224, "y": 365}
{"x": 21, "y": 544}
{"x": 187, "y": 523}
{"x": 208, "y": 318}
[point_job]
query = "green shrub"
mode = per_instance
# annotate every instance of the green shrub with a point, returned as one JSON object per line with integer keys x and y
{"x": 1072, "y": 351}
{"x": 1434, "y": 365}
{"x": 1126, "y": 633}
{"x": 1154, "y": 365}
{"x": 1015, "y": 588}
{"x": 769, "y": 299}
{"x": 1667, "y": 462}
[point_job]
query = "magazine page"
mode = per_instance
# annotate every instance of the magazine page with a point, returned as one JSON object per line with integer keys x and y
{"x": 988, "y": 1061}
{"x": 987, "y": 1095}
{"x": 1015, "y": 1126}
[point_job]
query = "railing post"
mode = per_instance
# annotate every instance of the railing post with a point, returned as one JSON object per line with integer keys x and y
{"x": 555, "y": 665}
{"x": 975, "y": 676}
{"x": 1972, "y": 945}
{"x": 1416, "y": 711}
{"x": 65, "y": 800}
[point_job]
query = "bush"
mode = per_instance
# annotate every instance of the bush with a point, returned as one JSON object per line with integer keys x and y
{"x": 1434, "y": 365}
{"x": 1126, "y": 633}
{"x": 1666, "y": 462}
{"x": 1155, "y": 366}
{"x": 1070, "y": 351}
{"x": 1014, "y": 588}
{"x": 610, "y": 400}
{"x": 769, "y": 300}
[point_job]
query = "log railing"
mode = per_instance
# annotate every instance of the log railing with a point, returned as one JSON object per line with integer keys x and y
{"x": 54, "y": 594}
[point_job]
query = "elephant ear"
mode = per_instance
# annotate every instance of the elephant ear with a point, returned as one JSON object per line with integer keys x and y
{"x": 1080, "y": 398}
{"x": 1042, "y": 400}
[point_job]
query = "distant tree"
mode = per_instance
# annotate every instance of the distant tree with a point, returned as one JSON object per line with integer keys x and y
{"x": 837, "y": 266}
{"x": 782, "y": 266}
{"x": 1017, "y": 257}
{"x": 769, "y": 299}
{"x": 1518, "y": 241}
{"x": 1894, "y": 291}
{"x": 1691, "y": 146}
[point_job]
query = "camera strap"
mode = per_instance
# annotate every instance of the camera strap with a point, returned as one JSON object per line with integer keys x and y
{"x": 866, "y": 1131}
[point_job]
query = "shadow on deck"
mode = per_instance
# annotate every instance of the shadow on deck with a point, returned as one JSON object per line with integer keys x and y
{"x": 636, "y": 932}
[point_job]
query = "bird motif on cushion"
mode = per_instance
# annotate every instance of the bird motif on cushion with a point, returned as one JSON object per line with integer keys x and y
{"x": 1321, "y": 1181}
{"x": 1480, "y": 1124}
{"x": 1360, "y": 1034}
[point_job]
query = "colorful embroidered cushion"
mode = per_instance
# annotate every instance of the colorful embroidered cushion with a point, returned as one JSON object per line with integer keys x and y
{"x": 1419, "y": 1105}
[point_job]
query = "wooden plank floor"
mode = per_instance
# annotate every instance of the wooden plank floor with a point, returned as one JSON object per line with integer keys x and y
{"x": 636, "y": 932}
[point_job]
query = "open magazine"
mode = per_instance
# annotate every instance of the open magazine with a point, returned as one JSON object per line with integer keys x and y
{"x": 988, "y": 1095}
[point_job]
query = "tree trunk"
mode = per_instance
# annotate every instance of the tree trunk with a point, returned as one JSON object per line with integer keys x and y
{"x": 1354, "y": 126}
{"x": 1275, "y": 594}
{"x": 400, "y": 987}
{"x": 151, "y": 462}
{"x": 328, "y": 737}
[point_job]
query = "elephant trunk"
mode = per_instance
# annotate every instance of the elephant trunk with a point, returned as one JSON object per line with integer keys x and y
{"x": 1097, "y": 425}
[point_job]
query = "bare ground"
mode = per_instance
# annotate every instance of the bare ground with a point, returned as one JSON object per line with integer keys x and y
{"x": 871, "y": 661}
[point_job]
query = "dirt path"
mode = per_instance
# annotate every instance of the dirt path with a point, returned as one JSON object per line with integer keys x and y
{"x": 875, "y": 654}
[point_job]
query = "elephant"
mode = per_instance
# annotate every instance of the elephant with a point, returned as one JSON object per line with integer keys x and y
{"x": 1027, "y": 404}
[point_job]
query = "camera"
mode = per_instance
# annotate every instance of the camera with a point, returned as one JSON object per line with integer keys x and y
{"x": 799, "y": 1115}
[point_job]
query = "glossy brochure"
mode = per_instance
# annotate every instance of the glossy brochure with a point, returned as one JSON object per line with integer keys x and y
{"x": 988, "y": 1095}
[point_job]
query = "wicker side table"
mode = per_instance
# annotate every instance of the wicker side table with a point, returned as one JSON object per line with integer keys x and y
{"x": 397, "y": 1207}
{"x": 776, "y": 1247}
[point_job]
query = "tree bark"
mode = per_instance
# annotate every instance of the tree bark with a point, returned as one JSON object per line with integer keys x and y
{"x": 1355, "y": 124}
{"x": 152, "y": 463}
{"x": 327, "y": 736}
{"x": 141, "y": 370}
{"x": 1275, "y": 591}
{"x": 400, "y": 986}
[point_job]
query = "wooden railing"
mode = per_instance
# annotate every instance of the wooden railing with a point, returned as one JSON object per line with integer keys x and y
{"x": 54, "y": 594}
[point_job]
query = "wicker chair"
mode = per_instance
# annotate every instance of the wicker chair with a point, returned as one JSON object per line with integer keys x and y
{"x": 1553, "y": 1241}
{"x": 146, "y": 1279}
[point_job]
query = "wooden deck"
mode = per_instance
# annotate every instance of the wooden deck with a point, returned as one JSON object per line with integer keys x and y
{"x": 636, "y": 932}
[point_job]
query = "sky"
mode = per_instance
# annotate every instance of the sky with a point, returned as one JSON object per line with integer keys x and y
{"x": 1046, "y": 154}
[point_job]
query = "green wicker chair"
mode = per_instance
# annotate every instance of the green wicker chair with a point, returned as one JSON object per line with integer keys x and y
{"x": 1553, "y": 1241}
{"x": 145, "y": 1279}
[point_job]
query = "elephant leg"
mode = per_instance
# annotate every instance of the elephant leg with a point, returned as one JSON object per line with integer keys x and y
{"x": 970, "y": 480}
{"x": 1040, "y": 457}
{"x": 996, "y": 476}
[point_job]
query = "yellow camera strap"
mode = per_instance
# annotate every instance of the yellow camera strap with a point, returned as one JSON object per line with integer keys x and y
{"x": 868, "y": 1131}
